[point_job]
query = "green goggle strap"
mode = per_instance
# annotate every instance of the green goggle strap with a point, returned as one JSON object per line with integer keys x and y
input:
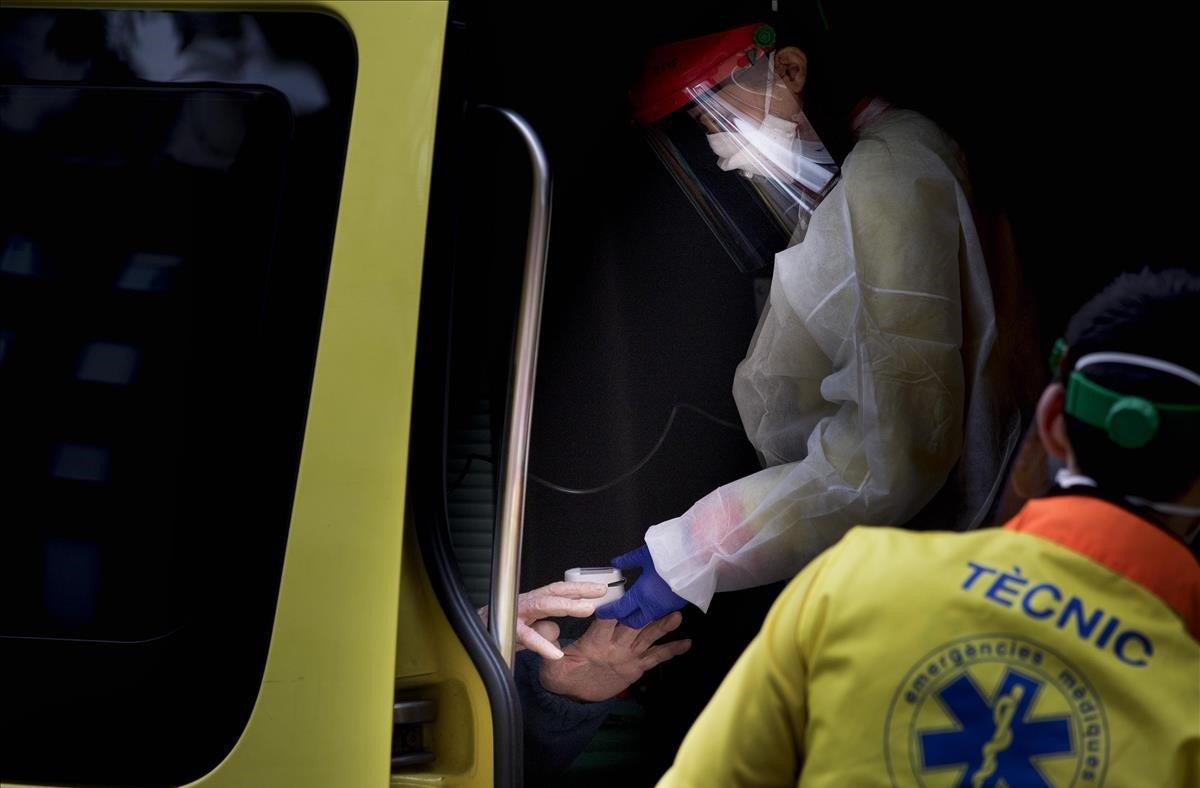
{"x": 1056, "y": 354}
{"x": 1131, "y": 422}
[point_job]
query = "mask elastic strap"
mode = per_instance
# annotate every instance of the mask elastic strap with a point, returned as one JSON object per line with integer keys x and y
{"x": 1144, "y": 362}
{"x": 1165, "y": 508}
{"x": 1065, "y": 479}
{"x": 770, "y": 85}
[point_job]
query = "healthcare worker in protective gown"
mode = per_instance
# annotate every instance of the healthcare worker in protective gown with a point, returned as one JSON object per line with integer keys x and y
{"x": 869, "y": 388}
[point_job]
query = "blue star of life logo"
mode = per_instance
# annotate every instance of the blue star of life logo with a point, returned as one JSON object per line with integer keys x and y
{"x": 995, "y": 710}
{"x": 995, "y": 737}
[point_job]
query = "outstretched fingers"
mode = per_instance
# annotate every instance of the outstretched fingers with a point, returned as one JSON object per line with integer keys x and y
{"x": 660, "y": 654}
{"x": 528, "y": 637}
{"x": 545, "y": 606}
{"x": 656, "y": 629}
{"x": 571, "y": 590}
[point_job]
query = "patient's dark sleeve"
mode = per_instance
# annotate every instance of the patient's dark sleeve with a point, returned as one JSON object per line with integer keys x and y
{"x": 556, "y": 729}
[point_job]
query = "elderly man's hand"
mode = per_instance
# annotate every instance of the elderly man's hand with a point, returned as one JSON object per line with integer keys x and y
{"x": 610, "y": 657}
{"x": 556, "y": 599}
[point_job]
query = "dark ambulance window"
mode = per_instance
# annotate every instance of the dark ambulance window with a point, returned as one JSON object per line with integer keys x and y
{"x": 169, "y": 191}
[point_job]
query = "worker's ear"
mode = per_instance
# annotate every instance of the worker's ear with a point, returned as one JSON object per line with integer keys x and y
{"x": 1052, "y": 422}
{"x": 791, "y": 65}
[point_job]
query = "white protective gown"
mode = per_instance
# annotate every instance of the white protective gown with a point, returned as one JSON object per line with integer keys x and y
{"x": 868, "y": 374}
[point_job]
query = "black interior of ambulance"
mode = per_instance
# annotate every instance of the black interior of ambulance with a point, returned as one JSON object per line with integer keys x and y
{"x": 1065, "y": 122}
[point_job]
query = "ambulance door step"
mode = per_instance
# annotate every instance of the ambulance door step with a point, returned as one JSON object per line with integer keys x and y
{"x": 410, "y": 745}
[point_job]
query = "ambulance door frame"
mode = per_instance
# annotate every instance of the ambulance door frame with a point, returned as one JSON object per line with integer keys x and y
{"x": 492, "y": 659}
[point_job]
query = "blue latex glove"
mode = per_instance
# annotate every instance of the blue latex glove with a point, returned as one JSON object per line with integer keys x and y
{"x": 648, "y": 600}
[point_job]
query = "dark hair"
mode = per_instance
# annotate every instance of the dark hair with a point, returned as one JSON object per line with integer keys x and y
{"x": 1151, "y": 313}
{"x": 837, "y": 76}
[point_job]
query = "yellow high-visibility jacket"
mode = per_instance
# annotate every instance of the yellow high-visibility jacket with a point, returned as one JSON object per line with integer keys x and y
{"x": 1059, "y": 650}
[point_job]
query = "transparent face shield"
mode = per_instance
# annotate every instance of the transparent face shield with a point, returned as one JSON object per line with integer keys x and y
{"x": 747, "y": 158}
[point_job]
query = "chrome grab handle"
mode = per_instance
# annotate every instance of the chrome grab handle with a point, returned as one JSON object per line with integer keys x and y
{"x": 506, "y": 556}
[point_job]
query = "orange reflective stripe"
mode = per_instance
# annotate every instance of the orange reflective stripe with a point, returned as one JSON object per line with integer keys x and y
{"x": 1121, "y": 541}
